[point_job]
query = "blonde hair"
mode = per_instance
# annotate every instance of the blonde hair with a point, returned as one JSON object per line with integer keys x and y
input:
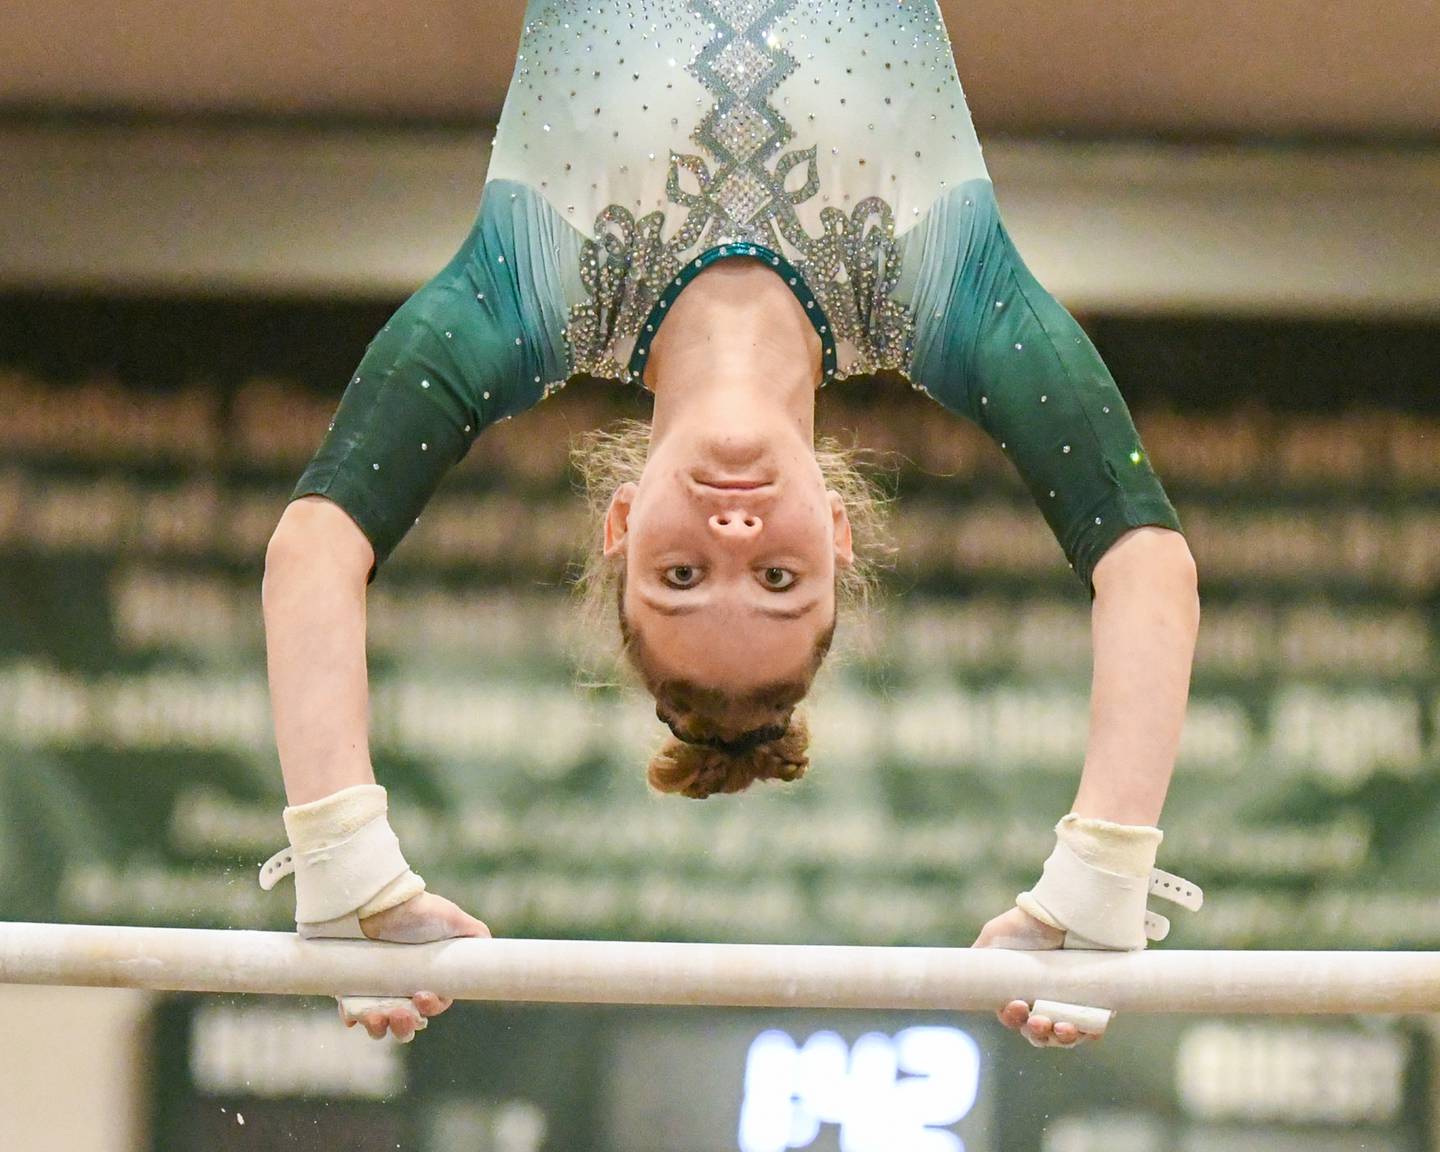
{"x": 705, "y": 754}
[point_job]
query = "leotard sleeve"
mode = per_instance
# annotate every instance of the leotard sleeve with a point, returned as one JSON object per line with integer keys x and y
{"x": 1013, "y": 360}
{"x": 465, "y": 350}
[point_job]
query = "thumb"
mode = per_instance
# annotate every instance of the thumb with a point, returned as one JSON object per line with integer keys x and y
{"x": 1016, "y": 929}
{"x": 463, "y": 924}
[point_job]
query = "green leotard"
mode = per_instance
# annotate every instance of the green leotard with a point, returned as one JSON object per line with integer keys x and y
{"x": 879, "y": 215}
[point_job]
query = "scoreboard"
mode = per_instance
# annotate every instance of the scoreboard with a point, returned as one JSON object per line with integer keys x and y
{"x": 245, "y": 1073}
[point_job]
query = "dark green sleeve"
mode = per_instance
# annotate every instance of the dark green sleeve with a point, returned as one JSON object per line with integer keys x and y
{"x": 1022, "y": 368}
{"x": 454, "y": 359}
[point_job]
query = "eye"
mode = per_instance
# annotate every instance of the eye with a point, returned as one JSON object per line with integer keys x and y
{"x": 777, "y": 579}
{"x": 682, "y": 576}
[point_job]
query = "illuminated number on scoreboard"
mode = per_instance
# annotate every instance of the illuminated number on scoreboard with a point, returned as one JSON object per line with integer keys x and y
{"x": 886, "y": 1094}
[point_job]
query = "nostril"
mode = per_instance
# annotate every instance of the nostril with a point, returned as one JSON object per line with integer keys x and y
{"x": 722, "y": 520}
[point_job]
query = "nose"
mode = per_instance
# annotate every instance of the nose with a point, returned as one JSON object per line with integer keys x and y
{"x": 736, "y": 524}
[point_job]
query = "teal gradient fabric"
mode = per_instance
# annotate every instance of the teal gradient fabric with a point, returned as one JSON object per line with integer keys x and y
{"x": 829, "y": 141}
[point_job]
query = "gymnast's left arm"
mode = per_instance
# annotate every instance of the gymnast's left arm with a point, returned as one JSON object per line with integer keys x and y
{"x": 1016, "y": 363}
{"x": 1144, "y": 621}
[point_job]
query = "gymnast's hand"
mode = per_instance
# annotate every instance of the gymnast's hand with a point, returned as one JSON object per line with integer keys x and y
{"x": 1017, "y": 929}
{"x": 422, "y": 919}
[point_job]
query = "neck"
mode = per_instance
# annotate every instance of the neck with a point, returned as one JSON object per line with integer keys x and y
{"x": 736, "y": 335}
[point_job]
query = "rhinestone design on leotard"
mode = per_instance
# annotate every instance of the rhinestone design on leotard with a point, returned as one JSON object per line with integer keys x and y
{"x": 740, "y": 192}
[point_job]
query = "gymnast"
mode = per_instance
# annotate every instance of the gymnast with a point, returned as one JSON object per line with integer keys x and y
{"x": 730, "y": 203}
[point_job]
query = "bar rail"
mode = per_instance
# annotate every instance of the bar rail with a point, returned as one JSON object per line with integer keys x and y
{"x": 752, "y": 975}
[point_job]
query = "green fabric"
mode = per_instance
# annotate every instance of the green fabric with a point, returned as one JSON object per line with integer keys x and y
{"x": 467, "y": 349}
{"x": 994, "y": 346}
{"x": 485, "y": 340}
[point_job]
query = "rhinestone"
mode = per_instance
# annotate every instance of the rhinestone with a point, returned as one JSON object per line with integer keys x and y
{"x": 1043, "y": 399}
{"x": 1105, "y": 410}
{"x": 627, "y": 274}
{"x": 424, "y": 447}
{"x": 424, "y": 384}
{"x": 1066, "y": 449}
{"x": 743, "y": 131}
{"x": 1097, "y": 520}
{"x": 376, "y": 467}
{"x": 741, "y": 196}
{"x": 739, "y": 65}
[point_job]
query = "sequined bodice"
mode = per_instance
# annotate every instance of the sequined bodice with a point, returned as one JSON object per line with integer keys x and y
{"x": 660, "y": 130}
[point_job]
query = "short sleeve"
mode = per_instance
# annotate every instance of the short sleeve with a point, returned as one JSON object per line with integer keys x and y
{"x": 1023, "y": 369}
{"x": 456, "y": 357}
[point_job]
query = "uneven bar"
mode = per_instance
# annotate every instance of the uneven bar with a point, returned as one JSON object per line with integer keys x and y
{"x": 754, "y": 975}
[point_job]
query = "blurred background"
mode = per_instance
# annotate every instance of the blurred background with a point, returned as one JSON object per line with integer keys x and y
{"x": 207, "y": 209}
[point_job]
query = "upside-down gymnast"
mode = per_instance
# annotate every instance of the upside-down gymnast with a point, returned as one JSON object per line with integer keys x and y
{"x": 730, "y": 203}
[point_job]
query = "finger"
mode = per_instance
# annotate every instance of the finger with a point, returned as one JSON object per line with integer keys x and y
{"x": 1039, "y": 1028}
{"x": 429, "y": 1004}
{"x": 374, "y": 1024}
{"x": 402, "y": 1025}
{"x": 1014, "y": 1014}
{"x": 1066, "y": 1032}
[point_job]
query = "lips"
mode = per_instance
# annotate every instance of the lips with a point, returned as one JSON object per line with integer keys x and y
{"x": 734, "y": 485}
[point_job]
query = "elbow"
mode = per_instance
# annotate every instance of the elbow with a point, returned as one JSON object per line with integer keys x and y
{"x": 1158, "y": 558}
{"x": 315, "y": 538}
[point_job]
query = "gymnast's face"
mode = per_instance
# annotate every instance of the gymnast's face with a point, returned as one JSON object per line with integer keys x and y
{"x": 730, "y": 543}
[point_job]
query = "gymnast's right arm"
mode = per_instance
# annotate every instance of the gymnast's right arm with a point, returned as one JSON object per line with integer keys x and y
{"x": 449, "y": 363}
{"x": 446, "y": 365}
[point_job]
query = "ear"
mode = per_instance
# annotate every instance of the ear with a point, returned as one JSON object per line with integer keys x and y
{"x": 844, "y": 548}
{"x": 617, "y": 520}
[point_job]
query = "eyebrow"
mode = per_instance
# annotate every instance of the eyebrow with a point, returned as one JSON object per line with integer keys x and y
{"x": 775, "y": 611}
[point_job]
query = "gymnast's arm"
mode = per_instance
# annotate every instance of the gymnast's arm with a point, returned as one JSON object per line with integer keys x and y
{"x": 1144, "y": 620}
{"x": 451, "y": 361}
{"x": 448, "y": 364}
{"x": 313, "y": 596}
{"x": 1017, "y": 364}
{"x": 1010, "y": 358}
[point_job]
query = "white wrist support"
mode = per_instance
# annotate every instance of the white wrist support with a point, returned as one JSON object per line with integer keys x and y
{"x": 1096, "y": 882}
{"x": 345, "y": 858}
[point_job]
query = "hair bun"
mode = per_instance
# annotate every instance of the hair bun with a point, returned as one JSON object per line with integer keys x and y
{"x": 698, "y": 771}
